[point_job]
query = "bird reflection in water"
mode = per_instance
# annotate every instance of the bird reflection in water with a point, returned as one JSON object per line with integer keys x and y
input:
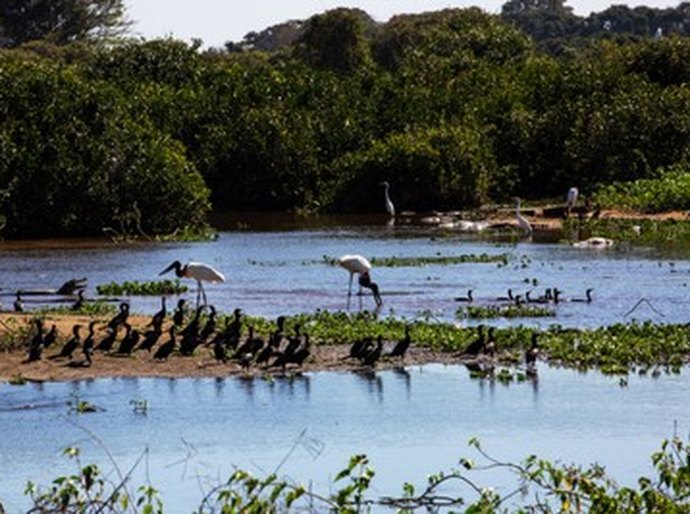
{"x": 374, "y": 382}
{"x": 404, "y": 375}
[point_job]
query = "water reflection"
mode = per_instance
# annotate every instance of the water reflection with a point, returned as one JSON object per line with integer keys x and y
{"x": 318, "y": 420}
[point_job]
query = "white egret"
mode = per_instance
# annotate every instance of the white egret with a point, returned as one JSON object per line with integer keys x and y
{"x": 390, "y": 208}
{"x": 198, "y": 271}
{"x": 571, "y": 199}
{"x": 357, "y": 264}
{"x": 522, "y": 221}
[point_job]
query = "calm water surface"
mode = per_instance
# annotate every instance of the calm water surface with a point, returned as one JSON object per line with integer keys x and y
{"x": 411, "y": 422}
{"x": 276, "y": 272}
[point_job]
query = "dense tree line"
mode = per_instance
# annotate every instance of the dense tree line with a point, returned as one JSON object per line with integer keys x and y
{"x": 454, "y": 108}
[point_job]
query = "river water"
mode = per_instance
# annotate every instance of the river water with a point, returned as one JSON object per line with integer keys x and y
{"x": 410, "y": 422}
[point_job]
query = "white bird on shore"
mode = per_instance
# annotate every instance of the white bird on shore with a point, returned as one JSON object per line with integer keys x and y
{"x": 198, "y": 271}
{"x": 390, "y": 208}
{"x": 522, "y": 221}
{"x": 357, "y": 264}
{"x": 571, "y": 199}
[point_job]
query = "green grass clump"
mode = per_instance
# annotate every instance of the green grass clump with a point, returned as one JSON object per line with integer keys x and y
{"x": 504, "y": 311}
{"x": 442, "y": 260}
{"x": 136, "y": 288}
{"x": 96, "y": 308}
{"x": 635, "y": 231}
{"x": 669, "y": 191}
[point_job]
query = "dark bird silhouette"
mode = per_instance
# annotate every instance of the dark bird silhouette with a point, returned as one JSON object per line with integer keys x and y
{"x": 178, "y": 315}
{"x": 120, "y": 318}
{"x": 233, "y": 331}
{"x": 50, "y": 337}
{"x": 18, "y": 305}
{"x": 490, "y": 344}
{"x": 509, "y": 298}
{"x": 476, "y": 346}
{"x": 372, "y": 356}
{"x": 359, "y": 348}
{"x": 129, "y": 340}
{"x": 71, "y": 344}
{"x": 219, "y": 352}
{"x": 190, "y": 335}
{"x": 79, "y": 303}
{"x": 150, "y": 338}
{"x": 106, "y": 344}
{"x": 401, "y": 347}
{"x": 467, "y": 298}
{"x": 210, "y": 326}
{"x": 88, "y": 344}
{"x": 165, "y": 350}
{"x": 252, "y": 346}
{"x": 36, "y": 343}
{"x": 295, "y": 341}
{"x": 302, "y": 354}
{"x": 586, "y": 299}
{"x": 69, "y": 287}
{"x": 267, "y": 351}
{"x": 159, "y": 317}
{"x": 533, "y": 352}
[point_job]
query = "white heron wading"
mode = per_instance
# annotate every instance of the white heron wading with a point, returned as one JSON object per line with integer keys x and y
{"x": 198, "y": 271}
{"x": 356, "y": 264}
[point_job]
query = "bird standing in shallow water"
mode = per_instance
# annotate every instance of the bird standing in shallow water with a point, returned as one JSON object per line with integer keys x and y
{"x": 357, "y": 264}
{"x": 18, "y": 305}
{"x": 198, "y": 271}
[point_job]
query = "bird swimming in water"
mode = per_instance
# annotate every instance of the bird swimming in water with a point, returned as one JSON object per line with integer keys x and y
{"x": 467, "y": 298}
{"x": 587, "y": 298}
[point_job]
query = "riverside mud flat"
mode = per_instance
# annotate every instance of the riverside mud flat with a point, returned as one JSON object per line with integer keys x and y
{"x": 14, "y": 365}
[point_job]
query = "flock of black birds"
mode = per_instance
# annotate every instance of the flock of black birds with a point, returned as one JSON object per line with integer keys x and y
{"x": 552, "y": 295}
{"x": 228, "y": 343}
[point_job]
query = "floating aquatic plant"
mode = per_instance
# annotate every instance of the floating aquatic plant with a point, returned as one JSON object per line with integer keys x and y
{"x": 136, "y": 288}
{"x": 442, "y": 260}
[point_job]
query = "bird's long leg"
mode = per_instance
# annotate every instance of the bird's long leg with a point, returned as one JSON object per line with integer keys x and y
{"x": 203, "y": 293}
{"x": 349, "y": 291}
{"x": 198, "y": 292}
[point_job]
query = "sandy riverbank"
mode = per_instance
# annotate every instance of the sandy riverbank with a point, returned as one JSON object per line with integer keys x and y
{"x": 141, "y": 363}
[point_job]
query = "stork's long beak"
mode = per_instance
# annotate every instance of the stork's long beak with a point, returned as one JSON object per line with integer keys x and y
{"x": 171, "y": 267}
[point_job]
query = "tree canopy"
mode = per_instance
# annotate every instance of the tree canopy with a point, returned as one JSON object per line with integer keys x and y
{"x": 60, "y": 21}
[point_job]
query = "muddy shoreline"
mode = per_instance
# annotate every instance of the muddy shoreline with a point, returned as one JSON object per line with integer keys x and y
{"x": 140, "y": 364}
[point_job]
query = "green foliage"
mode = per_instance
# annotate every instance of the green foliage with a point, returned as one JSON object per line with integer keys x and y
{"x": 442, "y": 167}
{"x": 60, "y": 21}
{"x": 504, "y": 311}
{"x": 441, "y": 260}
{"x": 454, "y": 108}
{"x": 95, "y": 308}
{"x": 670, "y": 191}
{"x": 544, "y": 486}
{"x": 136, "y": 288}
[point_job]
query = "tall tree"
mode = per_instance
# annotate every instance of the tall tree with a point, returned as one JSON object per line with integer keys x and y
{"x": 60, "y": 21}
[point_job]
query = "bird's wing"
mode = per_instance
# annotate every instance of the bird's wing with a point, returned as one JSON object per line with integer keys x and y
{"x": 201, "y": 271}
{"x": 355, "y": 263}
